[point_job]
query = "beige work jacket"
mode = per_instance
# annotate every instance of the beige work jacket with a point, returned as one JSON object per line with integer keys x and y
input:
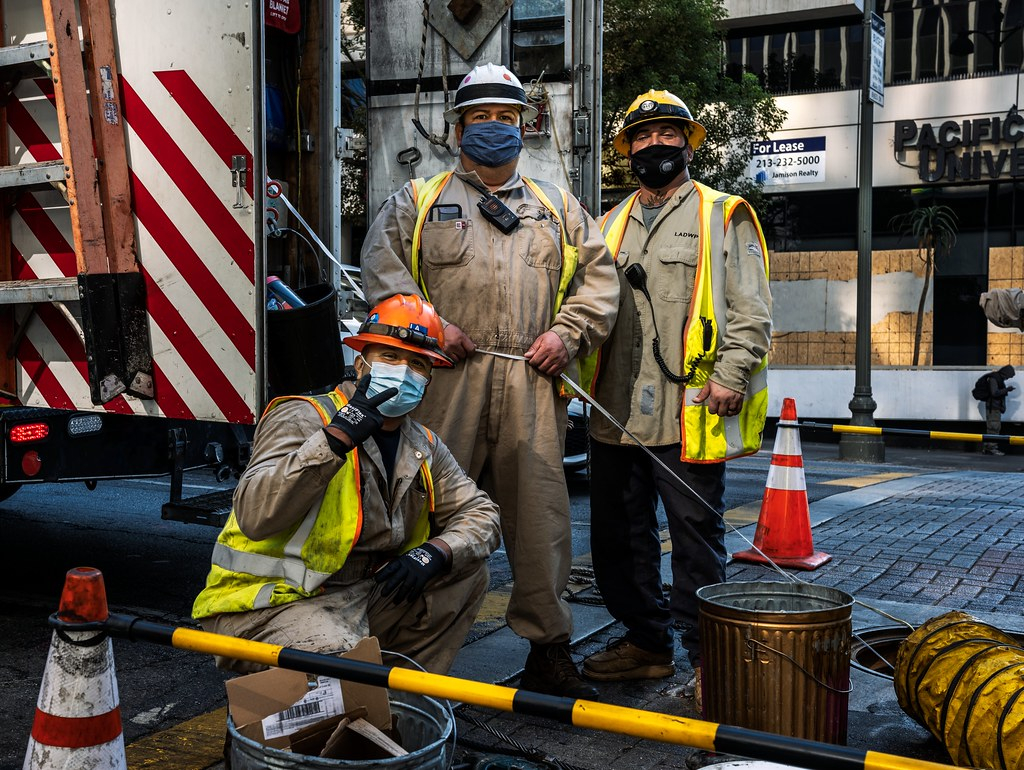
{"x": 630, "y": 383}
{"x": 292, "y": 464}
{"x": 499, "y": 289}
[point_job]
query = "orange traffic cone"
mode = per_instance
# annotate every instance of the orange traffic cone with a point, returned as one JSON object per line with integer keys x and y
{"x": 78, "y": 720}
{"x": 783, "y": 533}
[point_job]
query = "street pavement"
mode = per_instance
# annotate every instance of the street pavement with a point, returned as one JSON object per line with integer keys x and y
{"x": 927, "y": 532}
{"x": 907, "y": 548}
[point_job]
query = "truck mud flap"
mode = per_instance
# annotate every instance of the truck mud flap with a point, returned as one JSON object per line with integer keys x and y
{"x": 116, "y": 335}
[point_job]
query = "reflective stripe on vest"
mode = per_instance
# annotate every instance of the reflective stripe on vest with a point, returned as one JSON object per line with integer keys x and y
{"x": 708, "y": 437}
{"x": 613, "y": 228}
{"x": 424, "y": 193}
{"x": 247, "y": 574}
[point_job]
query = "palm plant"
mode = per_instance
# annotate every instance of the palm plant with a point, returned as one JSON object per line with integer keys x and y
{"x": 934, "y": 229}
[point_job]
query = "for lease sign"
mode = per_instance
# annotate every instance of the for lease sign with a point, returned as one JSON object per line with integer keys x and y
{"x": 788, "y": 161}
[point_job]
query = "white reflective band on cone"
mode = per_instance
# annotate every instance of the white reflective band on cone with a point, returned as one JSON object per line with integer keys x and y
{"x": 786, "y": 478}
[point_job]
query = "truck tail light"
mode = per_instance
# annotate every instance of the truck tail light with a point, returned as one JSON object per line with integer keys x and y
{"x": 29, "y": 431}
{"x": 31, "y": 462}
{"x": 84, "y": 424}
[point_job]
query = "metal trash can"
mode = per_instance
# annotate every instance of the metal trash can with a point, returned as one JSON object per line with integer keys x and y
{"x": 777, "y": 657}
{"x": 423, "y": 726}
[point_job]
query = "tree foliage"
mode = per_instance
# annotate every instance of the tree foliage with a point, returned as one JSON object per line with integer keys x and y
{"x": 676, "y": 45}
{"x": 933, "y": 229}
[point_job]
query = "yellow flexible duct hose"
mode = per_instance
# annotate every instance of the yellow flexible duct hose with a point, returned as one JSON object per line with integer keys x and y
{"x": 963, "y": 680}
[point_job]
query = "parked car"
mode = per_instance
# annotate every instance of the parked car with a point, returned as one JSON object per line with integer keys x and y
{"x": 577, "y": 438}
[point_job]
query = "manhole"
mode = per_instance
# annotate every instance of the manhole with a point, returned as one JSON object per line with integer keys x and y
{"x": 874, "y": 650}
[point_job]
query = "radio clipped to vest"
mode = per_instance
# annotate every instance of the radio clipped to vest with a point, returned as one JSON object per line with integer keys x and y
{"x": 497, "y": 213}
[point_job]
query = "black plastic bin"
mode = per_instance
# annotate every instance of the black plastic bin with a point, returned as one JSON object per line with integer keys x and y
{"x": 304, "y": 344}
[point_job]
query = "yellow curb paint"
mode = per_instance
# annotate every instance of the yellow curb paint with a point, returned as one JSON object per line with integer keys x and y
{"x": 741, "y": 515}
{"x": 494, "y": 607}
{"x": 192, "y": 745}
{"x": 866, "y": 481}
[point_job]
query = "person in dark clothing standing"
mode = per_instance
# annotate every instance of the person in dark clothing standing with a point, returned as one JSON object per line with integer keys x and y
{"x": 991, "y": 389}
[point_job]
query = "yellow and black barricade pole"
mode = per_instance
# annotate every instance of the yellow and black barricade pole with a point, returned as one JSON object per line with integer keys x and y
{"x": 651, "y": 725}
{"x": 935, "y": 435}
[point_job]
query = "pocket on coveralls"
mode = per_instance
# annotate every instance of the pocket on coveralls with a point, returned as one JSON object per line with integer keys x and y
{"x": 448, "y": 243}
{"x": 678, "y": 268}
{"x": 538, "y": 239}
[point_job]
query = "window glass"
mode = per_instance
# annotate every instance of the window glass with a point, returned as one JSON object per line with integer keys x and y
{"x": 755, "y": 55}
{"x": 538, "y": 39}
{"x": 831, "y": 58}
{"x": 931, "y": 60}
{"x": 902, "y": 40}
{"x": 538, "y": 9}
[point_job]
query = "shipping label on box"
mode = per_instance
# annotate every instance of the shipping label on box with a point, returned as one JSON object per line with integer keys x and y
{"x": 323, "y": 702}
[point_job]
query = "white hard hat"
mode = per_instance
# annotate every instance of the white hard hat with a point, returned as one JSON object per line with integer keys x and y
{"x": 490, "y": 84}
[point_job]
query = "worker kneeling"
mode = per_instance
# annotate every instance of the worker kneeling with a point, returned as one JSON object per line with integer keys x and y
{"x": 352, "y": 519}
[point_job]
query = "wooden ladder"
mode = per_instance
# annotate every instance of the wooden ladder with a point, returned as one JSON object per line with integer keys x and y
{"x": 94, "y": 173}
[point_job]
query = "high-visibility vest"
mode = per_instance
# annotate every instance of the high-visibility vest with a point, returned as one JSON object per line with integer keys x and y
{"x": 707, "y": 437}
{"x": 294, "y": 564}
{"x": 426, "y": 192}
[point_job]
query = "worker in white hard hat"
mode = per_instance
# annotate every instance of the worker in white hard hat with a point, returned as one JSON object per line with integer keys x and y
{"x": 516, "y": 267}
{"x": 685, "y": 371}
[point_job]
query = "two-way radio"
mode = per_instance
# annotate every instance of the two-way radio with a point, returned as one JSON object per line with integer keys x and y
{"x": 497, "y": 213}
{"x": 637, "y": 277}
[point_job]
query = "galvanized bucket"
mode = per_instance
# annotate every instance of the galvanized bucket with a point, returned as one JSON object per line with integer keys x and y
{"x": 423, "y": 726}
{"x": 777, "y": 657}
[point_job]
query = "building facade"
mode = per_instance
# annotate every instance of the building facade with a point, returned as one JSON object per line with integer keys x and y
{"x": 949, "y": 133}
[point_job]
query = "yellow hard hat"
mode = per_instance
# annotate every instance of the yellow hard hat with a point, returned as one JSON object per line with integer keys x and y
{"x": 661, "y": 106}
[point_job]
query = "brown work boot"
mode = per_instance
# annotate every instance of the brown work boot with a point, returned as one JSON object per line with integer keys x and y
{"x": 550, "y": 670}
{"x": 695, "y": 689}
{"x": 623, "y": 660}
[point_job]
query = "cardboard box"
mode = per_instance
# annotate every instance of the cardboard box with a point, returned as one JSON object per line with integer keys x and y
{"x": 279, "y": 707}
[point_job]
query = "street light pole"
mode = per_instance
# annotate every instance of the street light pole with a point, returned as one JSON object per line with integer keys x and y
{"x": 855, "y": 446}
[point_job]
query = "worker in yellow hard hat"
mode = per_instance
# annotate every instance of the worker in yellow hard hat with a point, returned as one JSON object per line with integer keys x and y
{"x": 516, "y": 268}
{"x": 353, "y": 520}
{"x": 685, "y": 370}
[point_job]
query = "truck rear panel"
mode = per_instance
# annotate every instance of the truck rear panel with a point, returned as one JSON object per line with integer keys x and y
{"x": 191, "y": 109}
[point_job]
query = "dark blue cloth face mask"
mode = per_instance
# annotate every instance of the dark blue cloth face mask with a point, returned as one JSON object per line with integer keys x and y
{"x": 492, "y": 143}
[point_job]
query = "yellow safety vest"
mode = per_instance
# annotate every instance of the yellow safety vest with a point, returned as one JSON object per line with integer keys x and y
{"x": 707, "y": 437}
{"x": 294, "y": 564}
{"x": 426, "y": 192}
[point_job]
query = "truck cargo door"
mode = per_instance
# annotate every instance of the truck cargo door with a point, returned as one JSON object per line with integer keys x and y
{"x": 188, "y": 73}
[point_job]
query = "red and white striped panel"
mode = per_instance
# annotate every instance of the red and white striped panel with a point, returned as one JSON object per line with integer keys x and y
{"x": 187, "y": 91}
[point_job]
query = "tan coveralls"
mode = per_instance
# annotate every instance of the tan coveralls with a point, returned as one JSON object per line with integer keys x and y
{"x": 504, "y": 421}
{"x": 291, "y": 466}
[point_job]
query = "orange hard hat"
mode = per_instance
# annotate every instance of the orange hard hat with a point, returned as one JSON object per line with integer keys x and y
{"x": 404, "y": 321}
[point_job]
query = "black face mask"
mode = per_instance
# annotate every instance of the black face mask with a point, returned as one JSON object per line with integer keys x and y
{"x": 657, "y": 165}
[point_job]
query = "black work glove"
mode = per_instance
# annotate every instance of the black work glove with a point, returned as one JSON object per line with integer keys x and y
{"x": 408, "y": 575}
{"x": 360, "y": 418}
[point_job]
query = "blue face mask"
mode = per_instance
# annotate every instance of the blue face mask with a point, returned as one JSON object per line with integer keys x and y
{"x": 410, "y": 386}
{"x": 492, "y": 143}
